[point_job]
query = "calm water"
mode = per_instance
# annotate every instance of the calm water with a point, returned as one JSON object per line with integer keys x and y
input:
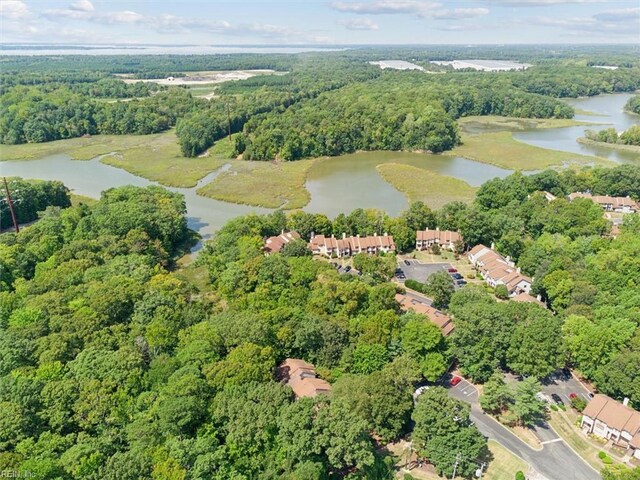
{"x": 610, "y": 114}
{"x": 340, "y": 184}
{"x": 337, "y": 184}
{"x": 89, "y": 178}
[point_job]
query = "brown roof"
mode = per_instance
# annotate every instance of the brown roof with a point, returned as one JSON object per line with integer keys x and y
{"x": 442, "y": 236}
{"x": 613, "y": 413}
{"x": 525, "y": 297}
{"x": 635, "y": 441}
{"x": 442, "y": 320}
{"x": 477, "y": 249}
{"x": 275, "y": 244}
{"x": 607, "y": 200}
{"x": 352, "y": 243}
{"x": 301, "y": 377}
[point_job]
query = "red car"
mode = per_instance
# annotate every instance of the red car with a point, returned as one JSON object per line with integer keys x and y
{"x": 452, "y": 270}
{"x": 455, "y": 380}
{"x": 572, "y": 395}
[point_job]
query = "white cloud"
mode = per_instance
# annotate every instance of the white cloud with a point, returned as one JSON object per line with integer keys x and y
{"x": 14, "y": 10}
{"x": 359, "y": 24}
{"x": 380, "y": 7}
{"x": 82, "y": 6}
{"x": 419, "y": 8}
{"x": 457, "y": 13}
{"x": 610, "y": 22}
{"x": 540, "y": 3}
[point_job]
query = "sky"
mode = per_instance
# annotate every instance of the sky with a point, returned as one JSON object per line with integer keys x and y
{"x": 330, "y": 22}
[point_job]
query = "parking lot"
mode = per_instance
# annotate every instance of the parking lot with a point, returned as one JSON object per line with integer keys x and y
{"x": 421, "y": 271}
{"x": 560, "y": 384}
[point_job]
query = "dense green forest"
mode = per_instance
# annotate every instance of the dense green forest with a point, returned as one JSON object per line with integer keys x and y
{"x": 116, "y": 364}
{"x": 350, "y": 104}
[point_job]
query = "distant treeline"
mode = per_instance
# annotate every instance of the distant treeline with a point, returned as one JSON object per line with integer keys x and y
{"x": 41, "y": 114}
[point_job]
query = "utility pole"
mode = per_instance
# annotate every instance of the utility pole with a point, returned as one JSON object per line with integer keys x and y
{"x": 229, "y": 121}
{"x": 455, "y": 466}
{"x": 10, "y": 202}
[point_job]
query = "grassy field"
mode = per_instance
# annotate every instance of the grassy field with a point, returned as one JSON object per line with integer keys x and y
{"x": 78, "y": 199}
{"x": 419, "y": 184}
{"x": 502, "y": 150}
{"x": 160, "y": 160}
{"x": 262, "y": 184}
{"x": 78, "y": 148}
{"x": 615, "y": 146}
{"x": 513, "y": 123}
{"x": 504, "y": 464}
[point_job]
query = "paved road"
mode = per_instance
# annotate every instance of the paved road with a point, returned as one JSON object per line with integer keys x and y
{"x": 556, "y": 461}
{"x": 421, "y": 271}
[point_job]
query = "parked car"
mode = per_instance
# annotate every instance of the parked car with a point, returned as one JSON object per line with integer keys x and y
{"x": 461, "y": 283}
{"x": 573, "y": 395}
{"x": 567, "y": 372}
{"x": 407, "y": 262}
{"x": 457, "y": 276}
{"x": 452, "y": 270}
{"x": 401, "y": 276}
{"x": 556, "y": 398}
{"x": 591, "y": 395}
{"x": 347, "y": 268}
{"x": 542, "y": 397}
{"x": 454, "y": 380}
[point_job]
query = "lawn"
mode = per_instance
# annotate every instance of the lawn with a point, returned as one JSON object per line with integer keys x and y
{"x": 419, "y": 184}
{"x": 504, "y": 464}
{"x": 160, "y": 160}
{"x": 513, "y": 123}
{"x": 262, "y": 184}
{"x": 502, "y": 150}
{"x": 562, "y": 424}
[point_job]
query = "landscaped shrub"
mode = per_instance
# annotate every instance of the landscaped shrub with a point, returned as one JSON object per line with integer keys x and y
{"x": 520, "y": 476}
{"x": 554, "y": 407}
{"x": 501, "y": 292}
{"x": 415, "y": 285}
{"x": 562, "y": 407}
{"x": 578, "y": 403}
{"x": 602, "y": 455}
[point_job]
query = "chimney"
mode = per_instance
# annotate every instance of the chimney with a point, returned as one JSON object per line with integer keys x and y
{"x": 385, "y": 234}
{"x": 312, "y": 235}
{"x": 518, "y": 270}
{"x": 375, "y": 234}
{"x": 437, "y": 229}
{"x": 493, "y": 246}
{"x": 625, "y": 402}
{"x": 344, "y": 235}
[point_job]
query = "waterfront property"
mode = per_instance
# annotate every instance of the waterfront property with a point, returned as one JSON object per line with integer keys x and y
{"x": 608, "y": 203}
{"x": 275, "y": 244}
{"x": 348, "y": 246}
{"x": 498, "y": 270}
{"x": 615, "y": 421}
{"x": 442, "y": 320}
{"x": 301, "y": 377}
{"x": 443, "y": 238}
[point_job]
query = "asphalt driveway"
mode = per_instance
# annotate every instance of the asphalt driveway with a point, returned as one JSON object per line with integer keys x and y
{"x": 556, "y": 461}
{"x": 420, "y": 271}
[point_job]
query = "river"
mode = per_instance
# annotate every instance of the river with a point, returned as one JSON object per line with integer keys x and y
{"x": 337, "y": 184}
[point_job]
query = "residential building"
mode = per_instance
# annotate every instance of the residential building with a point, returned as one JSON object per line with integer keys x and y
{"x": 610, "y": 204}
{"x": 275, "y": 244}
{"x": 301, "y": 377}
{"x": 348, "y": 246}
{"x": 498, "y": 270}
{"x": 443, "y": 238}
{"x": 615, "y": 421}
{"x": 442, "y": 320}
{"x": 526, "y": 298}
